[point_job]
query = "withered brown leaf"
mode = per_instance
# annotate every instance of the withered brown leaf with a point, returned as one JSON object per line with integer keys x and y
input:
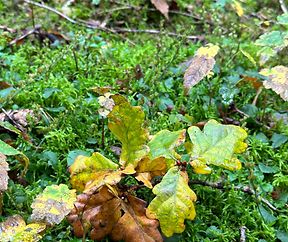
{"x": 162, "y": 6}
{"x": 106, "y": 214}
{"x": 4, "y": 168}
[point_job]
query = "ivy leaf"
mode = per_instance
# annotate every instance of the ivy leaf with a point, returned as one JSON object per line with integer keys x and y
{"x": 277, "y": 80}
{"x": 93, "y": 168}
{"x": 53, "y": 204}
{"x": 15, "y": 229}
{"x": 200, "y": 66}
{"x": 216, "y": 145}
{"x": 147, "y": 169}
{"x": 104, "y": 213}
{"x": 173, "y": 202}
{"x": 4, "y": 168}
{"x": 163, "y": 144}
{"x": 126, "y": 123}
{"x": 162, "y": 6}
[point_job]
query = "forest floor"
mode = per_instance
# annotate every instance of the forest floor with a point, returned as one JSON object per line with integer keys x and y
{"x": 58, "y": 57}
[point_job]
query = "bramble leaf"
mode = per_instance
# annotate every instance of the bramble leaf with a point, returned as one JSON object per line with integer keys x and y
{"x": 277, "y": 80}
{"x": 104, "y": 213}
{"x": 200, "y": 66}
{"x": 15, "y": 229}
{"x": 173, "y": 202}
{"x": 53, "y": 204}
{"x": 94, "y": 168}
{"x": 126, "y": 123}
{"x": 4, "y": 168}
{"x": 164, "y": 142}
{"x": 147, "y": 169}
{"x": 216, "y": 145}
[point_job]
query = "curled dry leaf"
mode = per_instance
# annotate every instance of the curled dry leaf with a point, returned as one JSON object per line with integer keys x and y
{"x": 106, "y": 103}
{"x": 162, "y": 6}
{"x": 200, "y": 66}
{"x": 4, "y": 168}
{"x": 104, "y": 214}
{"x": 53, "y": 204}
{"x": 18, "y": 116}
{"x": 15, "y": 229}
{"x": 277, "y": 80}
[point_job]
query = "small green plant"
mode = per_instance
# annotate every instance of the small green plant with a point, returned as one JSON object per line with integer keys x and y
{"x": 106, "y": 207}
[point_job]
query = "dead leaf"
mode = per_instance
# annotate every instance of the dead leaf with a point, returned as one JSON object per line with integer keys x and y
{"x": 277, "y": 80}
{"x": 19, "y": 118}
{"x": 106, "y": 213}
{"x": 134, "y": 225}
{"x": 4, "y": 85}
{"x": 4, "y": 168}
{"x": 200, "y": 66}
{"x": 162, "y": 6}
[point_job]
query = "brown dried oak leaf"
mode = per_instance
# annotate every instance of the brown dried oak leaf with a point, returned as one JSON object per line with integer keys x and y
{"x": 106, "y": 214}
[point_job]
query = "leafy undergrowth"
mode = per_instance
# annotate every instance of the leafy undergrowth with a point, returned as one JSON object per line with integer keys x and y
{"x": 67, "y": 74}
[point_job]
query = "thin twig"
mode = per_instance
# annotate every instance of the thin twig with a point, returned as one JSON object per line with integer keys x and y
{"x": 247, "y": 116}
{"x": 153, "y": 31}
{"x": 245, "y": 189}
{"x": 257, "y": 95}
{"x": 24, "y": 36}
{"x": 283, "y": 6}
{"x": 111, "y": 30}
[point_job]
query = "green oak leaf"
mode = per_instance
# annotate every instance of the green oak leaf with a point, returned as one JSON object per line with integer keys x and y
{"x": 126, "y": 123}
{"x": 90, "y": 169}
{"x": 173, "y": 202}
{"x": 163, "y": 144}
{"x": 53, "y": 204}
{"x": 216, "y": 145}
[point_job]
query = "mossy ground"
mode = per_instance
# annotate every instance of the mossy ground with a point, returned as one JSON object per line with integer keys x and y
{"x": 58, "y": 80}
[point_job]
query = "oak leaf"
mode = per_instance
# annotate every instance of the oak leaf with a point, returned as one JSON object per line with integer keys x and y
{"x": 93, "y": 169}
{"x": 216, "y": 145}
{"x": 277, "y": 80}
{"x": 173, "y": 202}
{"x": 163, "y": 144}
{"x": 200, "y": 66}
{"x": 4, "y": 168}
{"x": 126, "y": 123}
{"x": 162, "y": 6}
{"x": 15, "y": 229}
{"x": 105, "y": 213}
{"x": 53, "y": 204}
{"x": 147, "y": 169}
